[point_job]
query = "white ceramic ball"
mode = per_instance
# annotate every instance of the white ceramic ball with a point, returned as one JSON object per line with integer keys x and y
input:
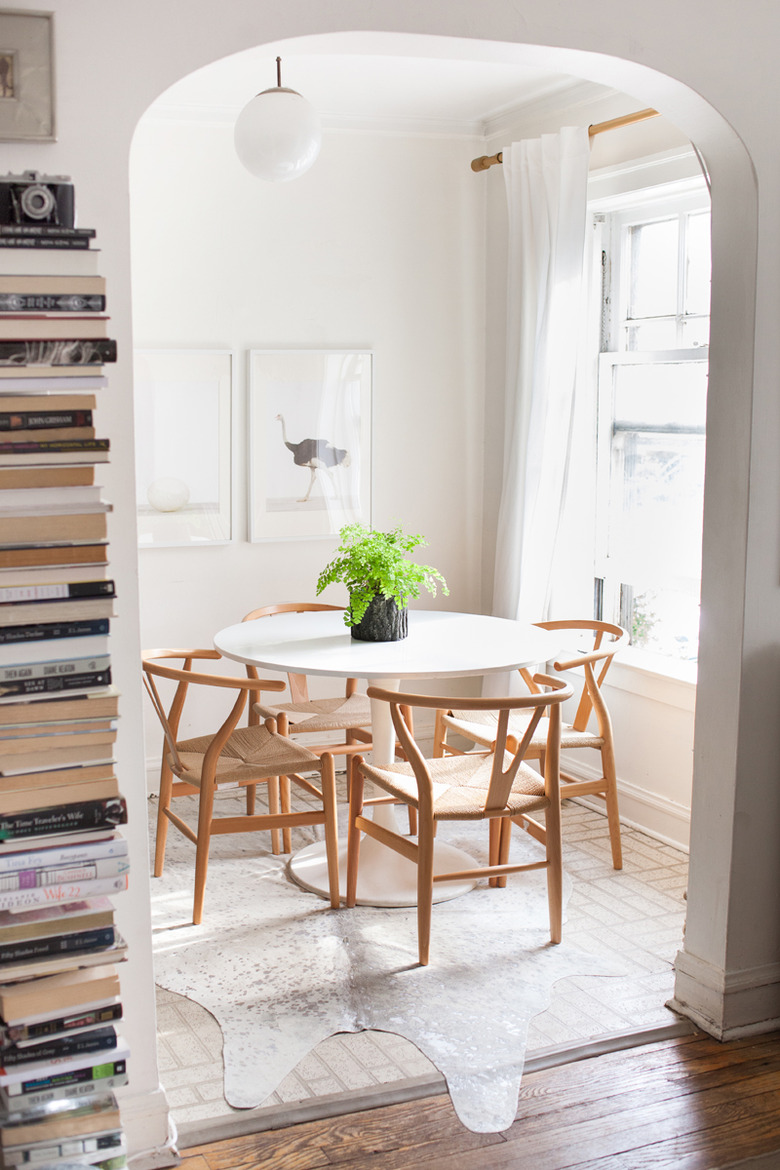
{"x": 168, "y": 494}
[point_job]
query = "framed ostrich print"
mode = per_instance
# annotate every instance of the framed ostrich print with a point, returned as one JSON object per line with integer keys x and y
{"x": 183, "y": 443}
{"x": 309, "y": 442}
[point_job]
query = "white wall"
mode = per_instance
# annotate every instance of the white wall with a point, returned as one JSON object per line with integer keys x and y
{"x": 379, "y": 246}
{"x": 711, "y": 67}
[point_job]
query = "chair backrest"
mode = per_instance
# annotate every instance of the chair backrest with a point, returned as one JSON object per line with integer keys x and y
{"x": 540, "y": 702}
{"x": 607, "y": 640}
{"x": 299, "y": 689}
{"x": 185, "y": 676}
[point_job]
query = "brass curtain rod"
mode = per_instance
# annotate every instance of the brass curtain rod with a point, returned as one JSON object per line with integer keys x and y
{"x": 490, "y": 160}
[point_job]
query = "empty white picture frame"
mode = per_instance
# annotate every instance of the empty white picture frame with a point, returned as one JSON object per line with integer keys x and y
{"x": 26, "y": 76}
{"x": 309, "y": 439}
{"x": 183, "y": 443}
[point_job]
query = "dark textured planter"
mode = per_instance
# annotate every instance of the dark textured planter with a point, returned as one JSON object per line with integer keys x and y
{"x": 383, "y": 621}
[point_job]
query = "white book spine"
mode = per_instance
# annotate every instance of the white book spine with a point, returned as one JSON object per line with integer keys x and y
{"x": 65, "y": 855}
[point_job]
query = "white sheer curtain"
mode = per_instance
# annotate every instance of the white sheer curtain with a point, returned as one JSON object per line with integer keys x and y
{"x": 546, "y": 184}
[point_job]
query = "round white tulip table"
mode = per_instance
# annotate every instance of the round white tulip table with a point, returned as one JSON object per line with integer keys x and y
{"x": 439, "y": 645}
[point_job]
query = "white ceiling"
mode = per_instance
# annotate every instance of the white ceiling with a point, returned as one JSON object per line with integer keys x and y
{"x": 406, "y": 82}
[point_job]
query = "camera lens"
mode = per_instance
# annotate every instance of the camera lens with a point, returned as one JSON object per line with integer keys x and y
{"x": 37, "y": 201}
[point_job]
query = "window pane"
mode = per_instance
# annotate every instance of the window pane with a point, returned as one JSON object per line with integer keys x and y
{"x": 660, "y": 333}
{"x": 653, "y": 267}
{"x": 655, "y": 519}
{"x": 695, "y": 332}
{"x": 665, "y": 621}
{"x": 661, "y": 394}
{"x": 697, "y": 294}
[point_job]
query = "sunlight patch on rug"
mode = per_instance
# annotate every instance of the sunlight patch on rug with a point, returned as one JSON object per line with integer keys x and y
{"x": 280, "y": 971}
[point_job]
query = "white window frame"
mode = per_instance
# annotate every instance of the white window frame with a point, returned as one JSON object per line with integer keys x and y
{"x": 611, "y": 216}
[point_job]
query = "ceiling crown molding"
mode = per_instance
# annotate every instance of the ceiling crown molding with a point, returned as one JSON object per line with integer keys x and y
{"x": 568, "y": 95}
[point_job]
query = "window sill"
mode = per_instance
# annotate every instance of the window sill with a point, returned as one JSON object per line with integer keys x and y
{"x": 652, "y": 677}
{"x": 664, "y": 680}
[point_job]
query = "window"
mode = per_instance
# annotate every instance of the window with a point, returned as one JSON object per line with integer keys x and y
{"x": 652, "y": 397}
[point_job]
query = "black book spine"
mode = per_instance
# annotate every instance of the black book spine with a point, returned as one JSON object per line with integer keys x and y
{"x": 44, "y": 241}
{"x": 52, "y": 683}
{"x": 75, "y": 589}
{"x": 52, "y": 303}
{"x": 57, "y": 944}
{"x": 27, "y": 421}
{"x": 45, "y": 1028}
{"x": 49, "y": 352}
{"x": 64, "y": 818}
{"x": 51, "y": 631}
{"x": 99, "y": 1040}
{"x": 52, "y": 230}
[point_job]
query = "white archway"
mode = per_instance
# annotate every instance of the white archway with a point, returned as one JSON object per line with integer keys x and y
{"x": 111, "y": 65}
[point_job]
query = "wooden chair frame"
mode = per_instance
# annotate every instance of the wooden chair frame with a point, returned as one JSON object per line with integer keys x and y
{"x": 173, "y": 772}
{"x": 594, "y": 665}
{"x": 495, "y": 810}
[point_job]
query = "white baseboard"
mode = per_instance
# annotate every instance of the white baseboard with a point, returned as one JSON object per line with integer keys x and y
{"x": 149, "y": 1128}
{"x": 727, "y": 1004}
{"x": 659, "y": 817}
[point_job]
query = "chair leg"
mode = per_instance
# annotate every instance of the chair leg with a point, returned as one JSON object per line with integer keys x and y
{"x": 284, "y": 789}
{"x": 328, "y": 776}
{"x": 424, "y": 890}
{"x": 353, "y": 837}
{"x": 494, "y": 838}
{"x": 205, "y": 811}
{"x": 273, "y": 808}
{"x": 439, "y": 736}
{"x": 504, "y": 841}
{"x": 164, "y": 803}
{"x": 611, "y": 797}
{"x": 552, "y": 821}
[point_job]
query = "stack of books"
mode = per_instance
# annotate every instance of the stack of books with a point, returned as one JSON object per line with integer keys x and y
{"x": 62, "y": 854}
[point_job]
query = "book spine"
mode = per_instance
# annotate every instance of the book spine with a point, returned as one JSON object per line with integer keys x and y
{"x": 65, "y": 303}
{"x": 64, "y": 944}
{"x": 99, "y": 1040}
{"x": 85, "y": 814}
{"x": 50, "y": 230}
{"x": 52, "y": 631}
{"x": 75, "y": 352}
{"x": 53, "y": 683}
{"x": 68, "y": 892}
{"x": 33, "y": 447}
{"x": 31, "y": 879}
{"x": 55, "y": 591}
{"x": 75, "y": 1078}
{"x": 24, "y": 1032}
{"x": 71, "y": 1089}
{"x": 64, "y": 854}
{"x": 53, "y": 667}
{"x": 27, "y": 421}
{"x": 44, "y": 242}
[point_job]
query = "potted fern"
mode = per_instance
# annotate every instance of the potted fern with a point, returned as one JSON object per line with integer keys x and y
{"x": 380, "y": 579}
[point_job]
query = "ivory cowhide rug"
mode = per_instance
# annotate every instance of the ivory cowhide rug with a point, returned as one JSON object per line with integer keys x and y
{"x": 280, "y": 971}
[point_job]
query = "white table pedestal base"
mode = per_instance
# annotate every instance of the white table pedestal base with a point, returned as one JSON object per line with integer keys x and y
{"x": 384, "y": 878}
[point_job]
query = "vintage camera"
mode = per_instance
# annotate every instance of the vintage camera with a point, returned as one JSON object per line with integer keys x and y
{"x": 33, "y": 198}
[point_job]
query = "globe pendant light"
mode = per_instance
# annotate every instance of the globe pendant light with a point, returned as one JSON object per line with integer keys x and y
{"x": 277, "y": 135}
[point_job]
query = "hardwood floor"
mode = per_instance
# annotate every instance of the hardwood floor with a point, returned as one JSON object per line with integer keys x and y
{"x": 688, "y": 1104}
